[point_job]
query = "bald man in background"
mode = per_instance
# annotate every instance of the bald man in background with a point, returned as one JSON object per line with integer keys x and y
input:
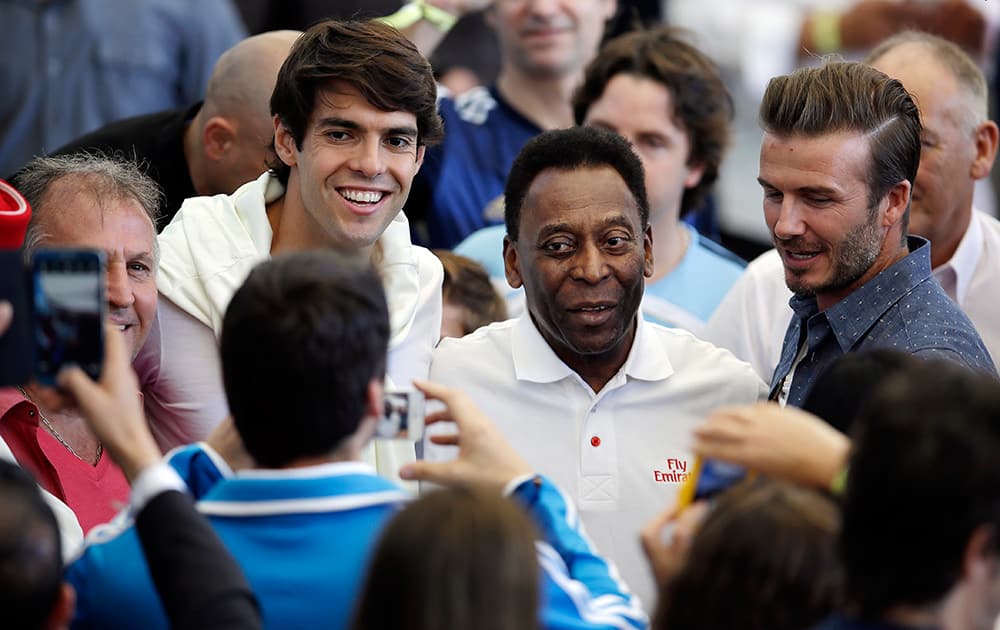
{"x": 214, "y": 146}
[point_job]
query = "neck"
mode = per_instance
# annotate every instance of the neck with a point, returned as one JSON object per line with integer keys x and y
{"x": 890, "y": 255}
{"x": 194, "y": 155}
{"x": 943, "y": 246}
{"x": 543, "y": 101}
{"x": 597, "y": 370}
{"x": 67, "y": 422}
{"x": 294, "y": 230}
{"x": 670, "y": 243}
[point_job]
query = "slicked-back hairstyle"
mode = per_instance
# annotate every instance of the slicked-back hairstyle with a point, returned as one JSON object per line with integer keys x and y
{"x": 455, "y": 558}
{"x": 966, "y": 72}
{"x": 850, "y": 97}
{"x": 764, "y": 586}
{"x": 468, "y": 285}
{"x": 100, "y": 176}
{"x": 924, "y": 475}
{"x": 301, "y": 340}
{"x": 567, "y": 150}
{"x": 30, "y": 551}
{"x": 379, "y": 61}
{"x": 703, "y": 107}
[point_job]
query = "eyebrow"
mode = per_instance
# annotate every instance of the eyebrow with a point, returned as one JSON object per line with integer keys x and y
{"x": 821, "y": 190}
{"x": 618, "y": 220}
{"x": 346, "y": 123}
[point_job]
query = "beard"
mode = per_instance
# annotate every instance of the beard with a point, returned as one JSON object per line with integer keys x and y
{"x": 851, "y": 258}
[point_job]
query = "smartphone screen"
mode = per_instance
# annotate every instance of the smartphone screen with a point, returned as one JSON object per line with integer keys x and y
{"x": 402, "y": 415}
{"x": 69, "y": 304}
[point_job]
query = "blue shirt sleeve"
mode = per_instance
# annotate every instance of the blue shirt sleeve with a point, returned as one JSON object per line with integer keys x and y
{"x": 581, "y": 589}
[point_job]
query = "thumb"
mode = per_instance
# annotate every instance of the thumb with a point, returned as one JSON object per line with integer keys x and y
{"x": 436, "y": 472}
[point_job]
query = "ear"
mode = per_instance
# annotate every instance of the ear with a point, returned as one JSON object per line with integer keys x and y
{"x": 63, "y": 609}
{"x": 694, "y": 174}
{"x": 986, "y": 137}
{"x": 647, "y": 258}
{"x": 374, "y": 396}
{"x": 511, "y": 265}
{"x": 898, "y": 199}
{"x": 421, "y": 151}
{"x": 218, "y": 136}
{"x": 284, "y": 143}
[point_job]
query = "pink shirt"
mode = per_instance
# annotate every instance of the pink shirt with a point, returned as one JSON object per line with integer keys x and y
{"x": 94, "y": 493}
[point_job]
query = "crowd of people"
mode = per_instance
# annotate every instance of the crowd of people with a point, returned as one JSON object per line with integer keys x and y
{"x": 627, "y": 426}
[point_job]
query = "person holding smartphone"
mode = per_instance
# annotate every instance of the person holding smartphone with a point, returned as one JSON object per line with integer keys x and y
{"x": 83, "y": 201}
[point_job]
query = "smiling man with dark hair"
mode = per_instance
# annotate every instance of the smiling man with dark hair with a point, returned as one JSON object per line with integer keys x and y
{"x": 593, "y": 396}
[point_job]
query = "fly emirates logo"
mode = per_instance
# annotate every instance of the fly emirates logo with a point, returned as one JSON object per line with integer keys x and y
{"x": 676, "y": 472}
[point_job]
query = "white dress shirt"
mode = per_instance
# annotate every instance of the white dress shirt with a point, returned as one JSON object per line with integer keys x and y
{"x": 620, "y": 453}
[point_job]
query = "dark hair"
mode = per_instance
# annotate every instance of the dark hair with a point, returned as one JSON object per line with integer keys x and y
{"x": 702, "y": 104}
{"x": 374, "y": 57}
{"x": 454, "y": 559}
{"x": 569, "y": 149}
{"x": 924, "y": 475}
{"x": 840, "y": 96}
{"x": 301, "y": 340}
{"x": 843, "y": 386}
{"x": 467, "y": 284}
{"x": 735, "y": 576}
{"x": 30, "y": 551}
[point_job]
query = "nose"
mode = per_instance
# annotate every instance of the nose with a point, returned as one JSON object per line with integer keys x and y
{"x": 543, "y": 7}
{"x": 119, "y": 292}
{"x": 590, "y": 265}
{"x": 790, "y": 222}
{"x": 367, "y": 158}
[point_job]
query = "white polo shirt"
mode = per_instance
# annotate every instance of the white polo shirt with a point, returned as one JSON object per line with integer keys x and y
{"x": 621, "y": 453}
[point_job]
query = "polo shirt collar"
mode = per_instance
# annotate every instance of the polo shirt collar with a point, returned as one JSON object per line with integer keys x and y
{"x": 966, "y": 257}
{"x": 854, "y": 315}
{"x": 535, "y": 361}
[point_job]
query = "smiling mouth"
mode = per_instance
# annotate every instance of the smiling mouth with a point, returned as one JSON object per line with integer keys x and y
{"x": 361, "y": 197}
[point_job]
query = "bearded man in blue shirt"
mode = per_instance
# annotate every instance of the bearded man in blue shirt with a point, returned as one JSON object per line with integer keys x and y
{"x": 840, "y": 152}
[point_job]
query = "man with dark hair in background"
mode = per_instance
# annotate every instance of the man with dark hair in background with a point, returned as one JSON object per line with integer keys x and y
{"x": 837, "y": 164}
{"x": 590, "y": 394}
{"x": 921, "y": 510}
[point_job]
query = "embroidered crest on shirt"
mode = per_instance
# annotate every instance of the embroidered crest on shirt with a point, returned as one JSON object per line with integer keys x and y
{"x": 475, "y": 105}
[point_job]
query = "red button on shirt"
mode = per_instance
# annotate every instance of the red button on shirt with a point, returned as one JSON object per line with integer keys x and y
{"x": 595, "y": 441}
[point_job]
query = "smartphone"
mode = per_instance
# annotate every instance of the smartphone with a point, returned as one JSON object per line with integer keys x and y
{"x": 69, "y": 311}
{"x": 402, "y": 415}
{"x": 16, "y": 348}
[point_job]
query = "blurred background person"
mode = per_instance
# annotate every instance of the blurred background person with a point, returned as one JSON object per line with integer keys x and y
{"x": 75, "y": 65}
{"x": 213, "y": 146}
{"x": 470, "y": 299}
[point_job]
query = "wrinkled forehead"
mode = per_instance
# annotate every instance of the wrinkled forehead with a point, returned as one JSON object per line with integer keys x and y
{"x": 76, "y": 209}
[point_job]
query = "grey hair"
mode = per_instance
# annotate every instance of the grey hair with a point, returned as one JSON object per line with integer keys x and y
{"x": 95, "y": 173}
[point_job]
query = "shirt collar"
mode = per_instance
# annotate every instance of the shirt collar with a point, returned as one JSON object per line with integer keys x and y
{"x": 966, "y": 257}
{"x": 853, "y": 316}
{"x": 535, "y": 361}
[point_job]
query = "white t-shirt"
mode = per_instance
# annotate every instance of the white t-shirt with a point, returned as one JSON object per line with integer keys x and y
{"x": 621, "y": 454}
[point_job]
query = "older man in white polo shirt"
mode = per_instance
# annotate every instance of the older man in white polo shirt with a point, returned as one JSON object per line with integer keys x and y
{"x": 594, "y": 397}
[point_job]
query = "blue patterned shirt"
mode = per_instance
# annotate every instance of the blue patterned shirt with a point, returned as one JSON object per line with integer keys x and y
{"x": 902, "y": 308}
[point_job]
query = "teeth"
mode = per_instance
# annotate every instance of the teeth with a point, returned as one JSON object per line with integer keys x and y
{"x": 361, "y": 196}
{"x": 591, "y": 309}
{"x": 122, "y": 327}
{"x": 800, "y": 256}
